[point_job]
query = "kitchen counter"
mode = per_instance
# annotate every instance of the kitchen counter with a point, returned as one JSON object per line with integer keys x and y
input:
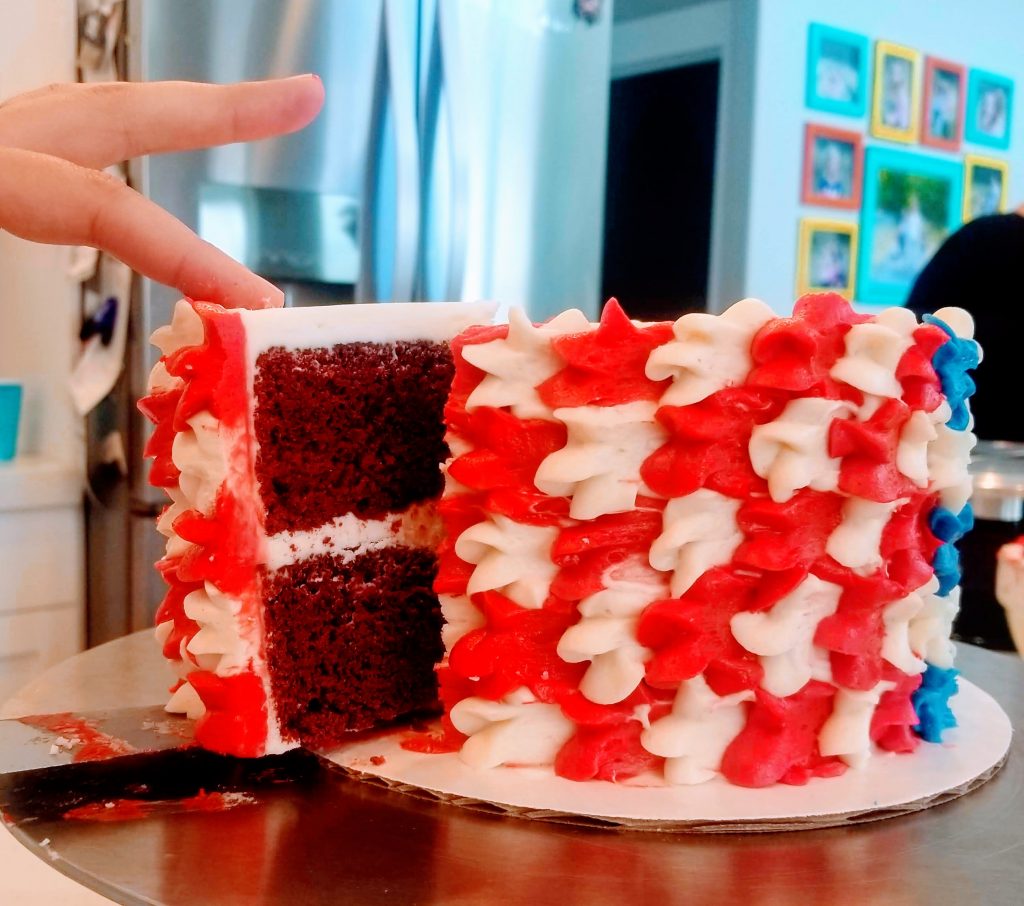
{"x": 335, "y": 840}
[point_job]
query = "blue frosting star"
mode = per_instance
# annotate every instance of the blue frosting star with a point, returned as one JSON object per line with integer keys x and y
{"x": 946, "y": 564}
{"x": 951, "y": 361}
{"x": 949, "y": 528}
{"x": 931, "y": 702}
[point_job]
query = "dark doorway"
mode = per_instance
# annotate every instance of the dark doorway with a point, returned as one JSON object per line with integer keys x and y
{"x": 661, "y": 163}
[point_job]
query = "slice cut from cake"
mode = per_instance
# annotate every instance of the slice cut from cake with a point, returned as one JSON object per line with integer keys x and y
{"x": 719, "y": 546}
{"x": 301, "y": 452}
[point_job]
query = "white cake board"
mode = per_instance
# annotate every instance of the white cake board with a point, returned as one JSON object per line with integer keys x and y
{"x": 887, "y": 786}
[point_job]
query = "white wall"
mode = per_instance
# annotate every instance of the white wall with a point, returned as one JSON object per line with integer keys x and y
{"x": 982, "y": 33}
{"x": 38, "y": 301}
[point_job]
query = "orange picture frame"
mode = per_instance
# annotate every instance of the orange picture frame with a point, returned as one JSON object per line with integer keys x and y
{"x": 952, "y": 142}
{"x": 831, "y": 178}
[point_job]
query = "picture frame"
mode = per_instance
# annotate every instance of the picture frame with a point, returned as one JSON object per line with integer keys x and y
{"x": 912, "y": 203}
{"x": 895, "y": 102}
{"x": 986, "y": 186}
{"x": 827, "y": 257}
{"x": 833, "y": 167}
{"x": 837, "y": 70}
{"x": 942, "y": 106}
{"x": 989, "y": 109}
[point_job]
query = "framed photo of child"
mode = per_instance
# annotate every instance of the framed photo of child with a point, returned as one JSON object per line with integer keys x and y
{"x": 837, "y": 70}
{"x": 989, "y": 109}
{"x": 827, "y": 257}
{"x": 833, "y": 165}
{"x": 894, "y": 106}
{"x": 985, "y": 186}
{"x": 942, "y": 111}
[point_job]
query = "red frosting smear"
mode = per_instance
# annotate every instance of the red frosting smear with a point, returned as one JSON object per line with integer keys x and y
{"x": 172, "y": 609}
{"x": 787, "y": 535}
{"x": 90, "y": 743}
{"x": 516, "y": 647}
{"x": 605, "y": 753}
{"x": 691, "y": 634}
{"x": 605, "y": 367}
{"x": 452, "y": 688}
{"x": 133, "y": 809}
{"x": 235, "y": 722}
{"x": 853, "y": 634}
{"x": 779, "y": 743}
{"x": 908, "y": 545}
{"x": 922, "y": 388}
{"x": 892, "y": 724}
{"x": 796, "y": 354}
{"x": 708, "y": 444}
{"x": 159, "y": 408}
{"x": 458, "y": 512}
{"x": 868, "y": 451}
{"x": 584, "y": 552}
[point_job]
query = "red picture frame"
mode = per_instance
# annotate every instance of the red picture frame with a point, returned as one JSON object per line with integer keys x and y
{"x": 819, "y": 187}
{"x": 952, "y": 142}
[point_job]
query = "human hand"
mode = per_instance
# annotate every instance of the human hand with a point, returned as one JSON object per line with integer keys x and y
{"x": 55, "y": 142}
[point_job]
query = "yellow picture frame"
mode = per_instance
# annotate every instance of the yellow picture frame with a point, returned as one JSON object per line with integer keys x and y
{"x": 808, "y": 273}
{"x": 895, "y": 107}
{"x": 973, "y": 162}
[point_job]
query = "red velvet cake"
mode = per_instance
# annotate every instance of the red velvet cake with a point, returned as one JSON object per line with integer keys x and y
{"x": 301, "y": 450}
{"x": 722, "y": 546}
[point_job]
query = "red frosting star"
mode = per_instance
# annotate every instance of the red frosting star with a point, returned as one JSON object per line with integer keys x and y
{"x": 868, "y": 451}
{"x": 159, "y": 408}
{"x": 908, "y": 545}
{"x": 787, "y": 535}
{"x": 892, "y": 724}
{"x": 708, "y": 444}
{"x": 467, "y": 376}
{"x": 797, "y": 353}
{"x": 922, "y": 388}
{"x": 605, "y": 367}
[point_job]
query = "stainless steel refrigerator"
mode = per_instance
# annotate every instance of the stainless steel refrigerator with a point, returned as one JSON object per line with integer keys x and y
{"x": 460, "y": 155}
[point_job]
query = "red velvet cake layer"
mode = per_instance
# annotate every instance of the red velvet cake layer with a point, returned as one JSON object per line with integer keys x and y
{"x": 353, "y": 429}
{"x": 352, "y": 644}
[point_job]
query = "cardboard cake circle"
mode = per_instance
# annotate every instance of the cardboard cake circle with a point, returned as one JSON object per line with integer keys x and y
{"x": 889, "y": 785}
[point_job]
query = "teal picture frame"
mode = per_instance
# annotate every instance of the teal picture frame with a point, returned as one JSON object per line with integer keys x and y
{"x": 911, "y": 203}
{"x": 985, "y": 89}
{"x": 838, "y": 71}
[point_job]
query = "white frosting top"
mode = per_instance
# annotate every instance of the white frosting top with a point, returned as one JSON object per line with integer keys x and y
{"x": 783, "y": 635}
{"x": 518, "y": 730}
{"x": 695, "y": 735}
{"x": 519, "y": 363}
{"x": 600, "y": 463}
{"x": 699, "y": 533}
{"x": 510, "y": 557}
{"x": 379, "y": 322}
{"x": 709, "y": 353}
{"x": 874, "y": 349}
{"x": 792, "y": 452}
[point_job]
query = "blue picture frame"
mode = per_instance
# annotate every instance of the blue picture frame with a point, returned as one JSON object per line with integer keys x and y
{"x": 912, "y": 202}
{"x": 835, "y": 59}
{"x": 989, "y": 95}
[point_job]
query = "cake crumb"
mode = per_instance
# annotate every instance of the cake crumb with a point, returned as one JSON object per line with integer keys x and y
{"x": 377, "y": 760}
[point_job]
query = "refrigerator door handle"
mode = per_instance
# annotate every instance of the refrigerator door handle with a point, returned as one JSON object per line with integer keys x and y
{"x": 454, "y": 87}
{"x": 400, "y": 24}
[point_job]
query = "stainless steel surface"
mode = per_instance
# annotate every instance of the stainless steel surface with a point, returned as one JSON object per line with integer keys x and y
{"x": 997, "y": 471}
{"x": 327, "y": 839}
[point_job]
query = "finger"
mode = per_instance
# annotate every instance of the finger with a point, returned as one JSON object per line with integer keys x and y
{"x": 46, "y": 199}
{"x": 101, "y": 124}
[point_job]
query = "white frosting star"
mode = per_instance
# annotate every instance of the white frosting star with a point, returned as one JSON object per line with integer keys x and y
{"x": 930, "y": 627}
{"x": 519, "y": 363}
{"x": 855, "y": 541}
{"x": 460, "y": 617}
{"x": 510, "y": 557}
{"x": 185, "y": 329}
{"x": 792, "y": 452}
{"x": 699, "y": 532}
{"x": 709, "y": 352}
{"x": 896, "y": 648}
{"x": 948, "y": 456}
{"x": 783, "y": 636}
{"x": 695, "y": 735}
{"x": 874, "y": 349}
{"x": 518, "y": 730}
{"x": 599, "y": 467}
{"x": 912, "y": 449}
{"x": 198, "y": 452}
{"x": 220, "y": 645}
{"x": 847, "y": 732}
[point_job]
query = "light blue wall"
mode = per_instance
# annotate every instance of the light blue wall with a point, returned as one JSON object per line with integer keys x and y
{"x": 983, "y": 33}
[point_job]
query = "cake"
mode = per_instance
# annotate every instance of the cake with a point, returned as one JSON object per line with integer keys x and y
{"x": 719, "y": 546}
{"x": 300, "y": 451}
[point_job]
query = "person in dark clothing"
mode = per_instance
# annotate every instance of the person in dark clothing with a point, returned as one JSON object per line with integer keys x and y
{"x": 980, "y": 268}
